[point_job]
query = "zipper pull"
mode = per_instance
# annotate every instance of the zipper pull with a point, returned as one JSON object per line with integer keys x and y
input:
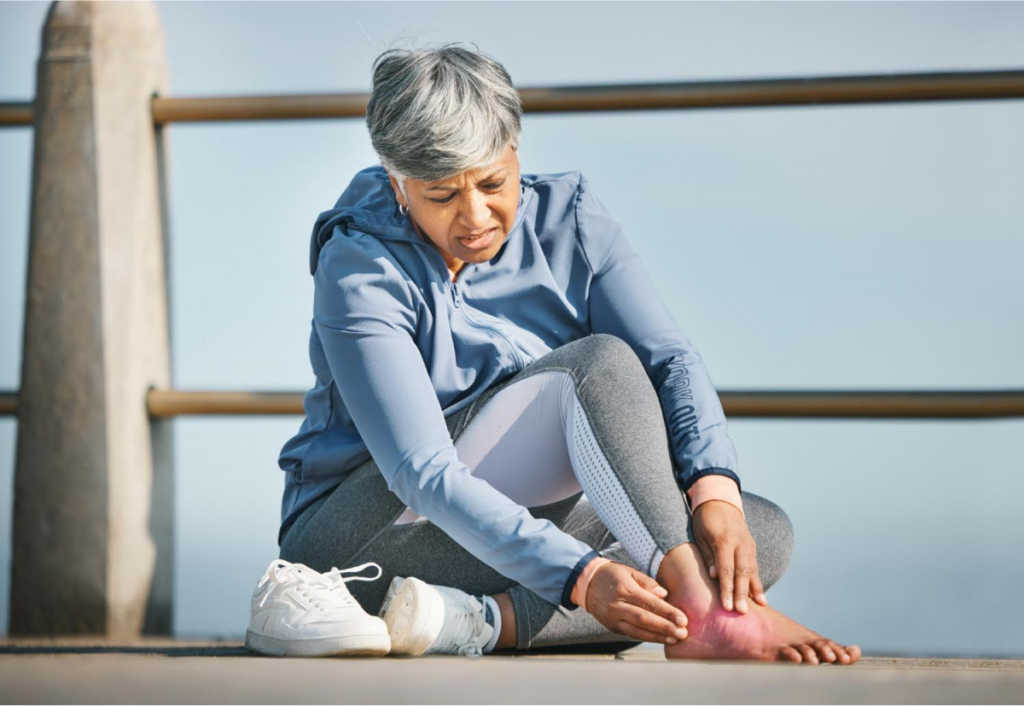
{"x": 455, "y": 293}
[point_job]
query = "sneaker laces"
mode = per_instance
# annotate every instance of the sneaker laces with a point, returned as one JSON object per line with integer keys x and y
{"x": 332, "y": 582}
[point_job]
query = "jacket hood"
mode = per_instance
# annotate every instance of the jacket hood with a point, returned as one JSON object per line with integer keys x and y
{"x": 369, "y": 204}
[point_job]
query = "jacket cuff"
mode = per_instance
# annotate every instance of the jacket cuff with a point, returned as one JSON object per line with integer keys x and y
{"x": 715, "y": 487}
{"x": 697, "y": 475}
{"x": 570, "y": 583}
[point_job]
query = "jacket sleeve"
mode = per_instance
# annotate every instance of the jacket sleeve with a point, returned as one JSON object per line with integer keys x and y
{"x": 365, "y": 314}
{"x": 624, "y": 302}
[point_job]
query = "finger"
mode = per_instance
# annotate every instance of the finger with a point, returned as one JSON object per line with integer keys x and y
{"x": 666, "y": 610}
{"x": 630, "y": 630}
{"x": 708, "y": 554}
{"x": 825, "y": 652}
{"x": 654, "y": 623}
{"x": 650, "y": 584}
{"x": 741, "y": 589}
{"x": 757, "y": 588}
{"x": 655, "y": 603}
{"x": 809, "y": 655}
{"x": 854, "y": 653}
{"x": 726, "y": 576}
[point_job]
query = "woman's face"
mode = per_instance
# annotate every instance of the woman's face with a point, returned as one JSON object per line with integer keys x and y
{"x": 481, "y": 202}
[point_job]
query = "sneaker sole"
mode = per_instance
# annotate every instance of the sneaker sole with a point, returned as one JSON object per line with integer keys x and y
{"x": 346, "y": 645}
{"x": 414, "y": 618}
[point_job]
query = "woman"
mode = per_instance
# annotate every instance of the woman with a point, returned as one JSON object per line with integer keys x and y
{"x": 504, "y": 406}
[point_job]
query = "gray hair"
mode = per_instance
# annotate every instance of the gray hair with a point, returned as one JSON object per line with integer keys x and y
{"x": 437, "y": 113}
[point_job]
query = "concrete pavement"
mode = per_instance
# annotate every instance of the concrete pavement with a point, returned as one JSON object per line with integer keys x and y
{"x": 224, "y": 672}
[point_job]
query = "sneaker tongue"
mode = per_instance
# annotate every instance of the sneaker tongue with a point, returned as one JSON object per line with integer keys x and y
{"x": 314, "y": 579}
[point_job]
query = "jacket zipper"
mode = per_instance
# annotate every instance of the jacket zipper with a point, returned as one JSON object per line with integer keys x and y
{"x": 453, "y": 287}
{"x": 516, "y": 356}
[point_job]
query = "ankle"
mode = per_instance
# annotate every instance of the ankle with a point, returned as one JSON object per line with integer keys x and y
{"x": 680, "y": 565}
{"x": 507, "y": 638}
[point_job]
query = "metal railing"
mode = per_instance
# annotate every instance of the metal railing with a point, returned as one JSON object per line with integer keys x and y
{"x": 818, "y": 404}
{"x": 815, "y": 91}
{"x": 15, "y": 114}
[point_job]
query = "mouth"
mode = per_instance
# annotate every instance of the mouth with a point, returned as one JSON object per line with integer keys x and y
{"x": 479, "y": 242}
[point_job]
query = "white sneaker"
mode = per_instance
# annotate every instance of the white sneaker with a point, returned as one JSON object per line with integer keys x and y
{"x": 299, "y": 612}
{"x": 427, "y": 619}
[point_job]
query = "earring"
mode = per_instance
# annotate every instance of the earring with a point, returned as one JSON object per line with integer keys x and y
{"x": 404, "y": 210}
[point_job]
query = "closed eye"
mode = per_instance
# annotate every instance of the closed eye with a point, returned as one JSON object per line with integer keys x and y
{"x": 491, "y": 187}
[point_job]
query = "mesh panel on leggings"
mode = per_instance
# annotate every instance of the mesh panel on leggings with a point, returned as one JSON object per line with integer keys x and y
{"x": 608, "y": 497}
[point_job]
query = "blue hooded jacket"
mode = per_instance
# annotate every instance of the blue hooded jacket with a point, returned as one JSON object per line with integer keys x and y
{"x": 397, "y": 346}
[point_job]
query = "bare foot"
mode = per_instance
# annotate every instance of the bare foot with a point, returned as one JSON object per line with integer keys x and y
{"x": 715, "y": 633}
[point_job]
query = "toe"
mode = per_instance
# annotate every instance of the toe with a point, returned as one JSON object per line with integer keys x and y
{"x": 790, "y": 654}
{"x": 810, "y": 656}
{"x": 854, "y": 653}
{"x": 825, "y": 652}
{"x": 840, "y": 651}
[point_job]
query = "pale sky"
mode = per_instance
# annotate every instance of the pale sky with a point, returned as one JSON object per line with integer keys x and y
{"x": 874, "y": 247}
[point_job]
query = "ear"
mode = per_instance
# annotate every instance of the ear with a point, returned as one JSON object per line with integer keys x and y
{"x": 394, "y": 183}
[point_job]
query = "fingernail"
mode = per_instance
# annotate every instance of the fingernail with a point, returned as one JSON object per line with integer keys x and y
{"x": 681, "y": 633}
{"x": 681, "y": 621}
{"x": 671, "y": 640}
{"x": 741, "y": 606}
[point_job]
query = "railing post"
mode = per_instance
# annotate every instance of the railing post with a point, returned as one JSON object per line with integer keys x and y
{"x": 93, "y": 495}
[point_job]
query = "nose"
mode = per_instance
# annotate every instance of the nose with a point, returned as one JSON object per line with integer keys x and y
{"x": 476, "y": 215}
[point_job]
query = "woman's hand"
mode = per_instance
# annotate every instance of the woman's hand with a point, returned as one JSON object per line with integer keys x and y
{"x": 729, "y": 552}
{"x": 631, "y": 602}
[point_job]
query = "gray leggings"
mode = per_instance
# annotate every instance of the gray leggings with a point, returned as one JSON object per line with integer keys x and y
{"x": 354, "y": 523}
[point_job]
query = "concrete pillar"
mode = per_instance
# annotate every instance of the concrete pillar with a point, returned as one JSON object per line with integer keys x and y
{"x": 93, "y": 490}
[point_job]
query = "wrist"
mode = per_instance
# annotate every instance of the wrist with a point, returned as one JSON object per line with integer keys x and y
{"x": 715, "y": 487}
{"x": 579, "y": 591}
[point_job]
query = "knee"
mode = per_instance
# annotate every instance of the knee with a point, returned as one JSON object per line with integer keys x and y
{"x": 608, "y": 350}
{"x": 605, "y": 360}
{"x": 773, "y": 532}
